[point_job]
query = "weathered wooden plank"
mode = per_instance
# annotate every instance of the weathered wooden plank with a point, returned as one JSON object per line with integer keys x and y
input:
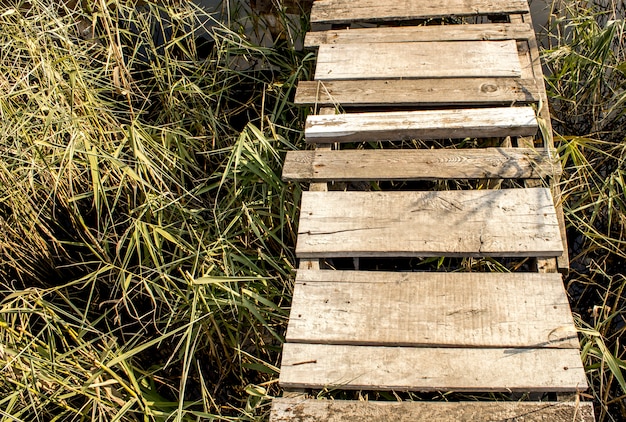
{"x": 511, "y": 222}
{"x": 401, "y": 92}
{"x": 461, "y": 59}
{"x": 289, "y": 410}
{"x": 422, "y": 124}
{"x": 419, "y": 164}
{"x": 348, "y": 11}
{"x": 430, "y": 369}
{"x": 431, "y": 309}
{"x": 479, "y": 32}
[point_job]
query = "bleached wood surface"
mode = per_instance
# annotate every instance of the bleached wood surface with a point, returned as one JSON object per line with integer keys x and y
{"x": 511, "y": 222}
{"x": 431, "y": 369}
{"x": 418, "y": 60}
{"x": 289, "y": 410}
{"x": 423, "y": 124}
{"x": 347, "y": 11}
{"x": 431, "y": 309}
{"x": 479, "y": 32}
{"x": 419, "y": 164}
{"x": 398, "y": 92}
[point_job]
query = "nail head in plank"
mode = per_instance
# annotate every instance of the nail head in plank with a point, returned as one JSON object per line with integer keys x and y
{"x": 348, "y": 11}
{"x": 479, "y": 32}
{"x": 431, "y": 309}
{"x": 422, "y": 124}
{"x": 418, "y": 164}
{"x": 462, "y": 59}
{"x": 400, "y": 92}
{"x": 289, "y": 410}
{"x": 431, "y": 369}
{"x": 507, "y": 223}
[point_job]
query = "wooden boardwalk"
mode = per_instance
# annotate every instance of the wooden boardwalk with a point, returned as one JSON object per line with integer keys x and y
{"x": 441, "y": 107}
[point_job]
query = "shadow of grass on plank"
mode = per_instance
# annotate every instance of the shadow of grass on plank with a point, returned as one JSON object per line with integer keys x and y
{"x": 144, "y": 241}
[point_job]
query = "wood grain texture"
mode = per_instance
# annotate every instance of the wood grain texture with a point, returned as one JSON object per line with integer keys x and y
{"x": 431, "y": 369}
{"x": 348, "y": 11}
{"x": 423, "y": 124}
{"x": 301, "y": 410}
{"x": 479, "y": 32}
{"x": 419, "y": 164}
{"x": 511, "y": 222}
{"x": 401, "y": 92}
{"x": 461, "y": 59}
{"x": 431, "y": 309}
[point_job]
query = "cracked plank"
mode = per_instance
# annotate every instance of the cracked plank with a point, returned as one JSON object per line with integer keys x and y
{"x": 431, "y": 309}
{"x": 507, "y": 223}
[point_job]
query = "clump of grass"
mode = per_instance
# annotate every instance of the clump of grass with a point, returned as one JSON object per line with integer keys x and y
{"x": 587, "y": 87}
{"x": 144, "y": 230}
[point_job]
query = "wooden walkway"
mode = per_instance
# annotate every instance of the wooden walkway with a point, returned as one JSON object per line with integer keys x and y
{"x": 415, "y": 96}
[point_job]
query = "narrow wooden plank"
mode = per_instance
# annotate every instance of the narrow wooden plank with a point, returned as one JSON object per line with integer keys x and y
{"x": 431, "y": 369}
{"x": 479, "y": 32}
{"x": 422, "y": 124}
{"x": 462, "y": 59}
{"x": 402, "y": 92}
{"x": 419, "y": 164}
{"x": 431, "y": 309}
{"x": 511, "y": 222}
{"x": 289, "y": 410}
{"x": 348, "y": 11}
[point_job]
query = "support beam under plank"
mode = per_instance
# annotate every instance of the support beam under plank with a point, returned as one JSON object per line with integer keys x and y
{"x": 504, "y": 223}
{"x": 423, "y": 124}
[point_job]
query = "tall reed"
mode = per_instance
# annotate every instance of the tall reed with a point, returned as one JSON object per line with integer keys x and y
{"x": 145, "y": 233}
{"x": 587, "y": 89}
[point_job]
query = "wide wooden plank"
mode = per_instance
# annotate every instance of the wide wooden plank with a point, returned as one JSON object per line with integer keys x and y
{"x": 301, "y": 410}
{"x": 480, "y": 32}
{"x": 461, "y": 59}
{"x": 422, "y": 124}
{"x": 419, "y": 164}
{"x": 402, "y": 92}
{"x": 431, "y": 309}
{"x": 348, "y": 11}
{"x": 511, "y": 222}
{"x": 431, "y": 369}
